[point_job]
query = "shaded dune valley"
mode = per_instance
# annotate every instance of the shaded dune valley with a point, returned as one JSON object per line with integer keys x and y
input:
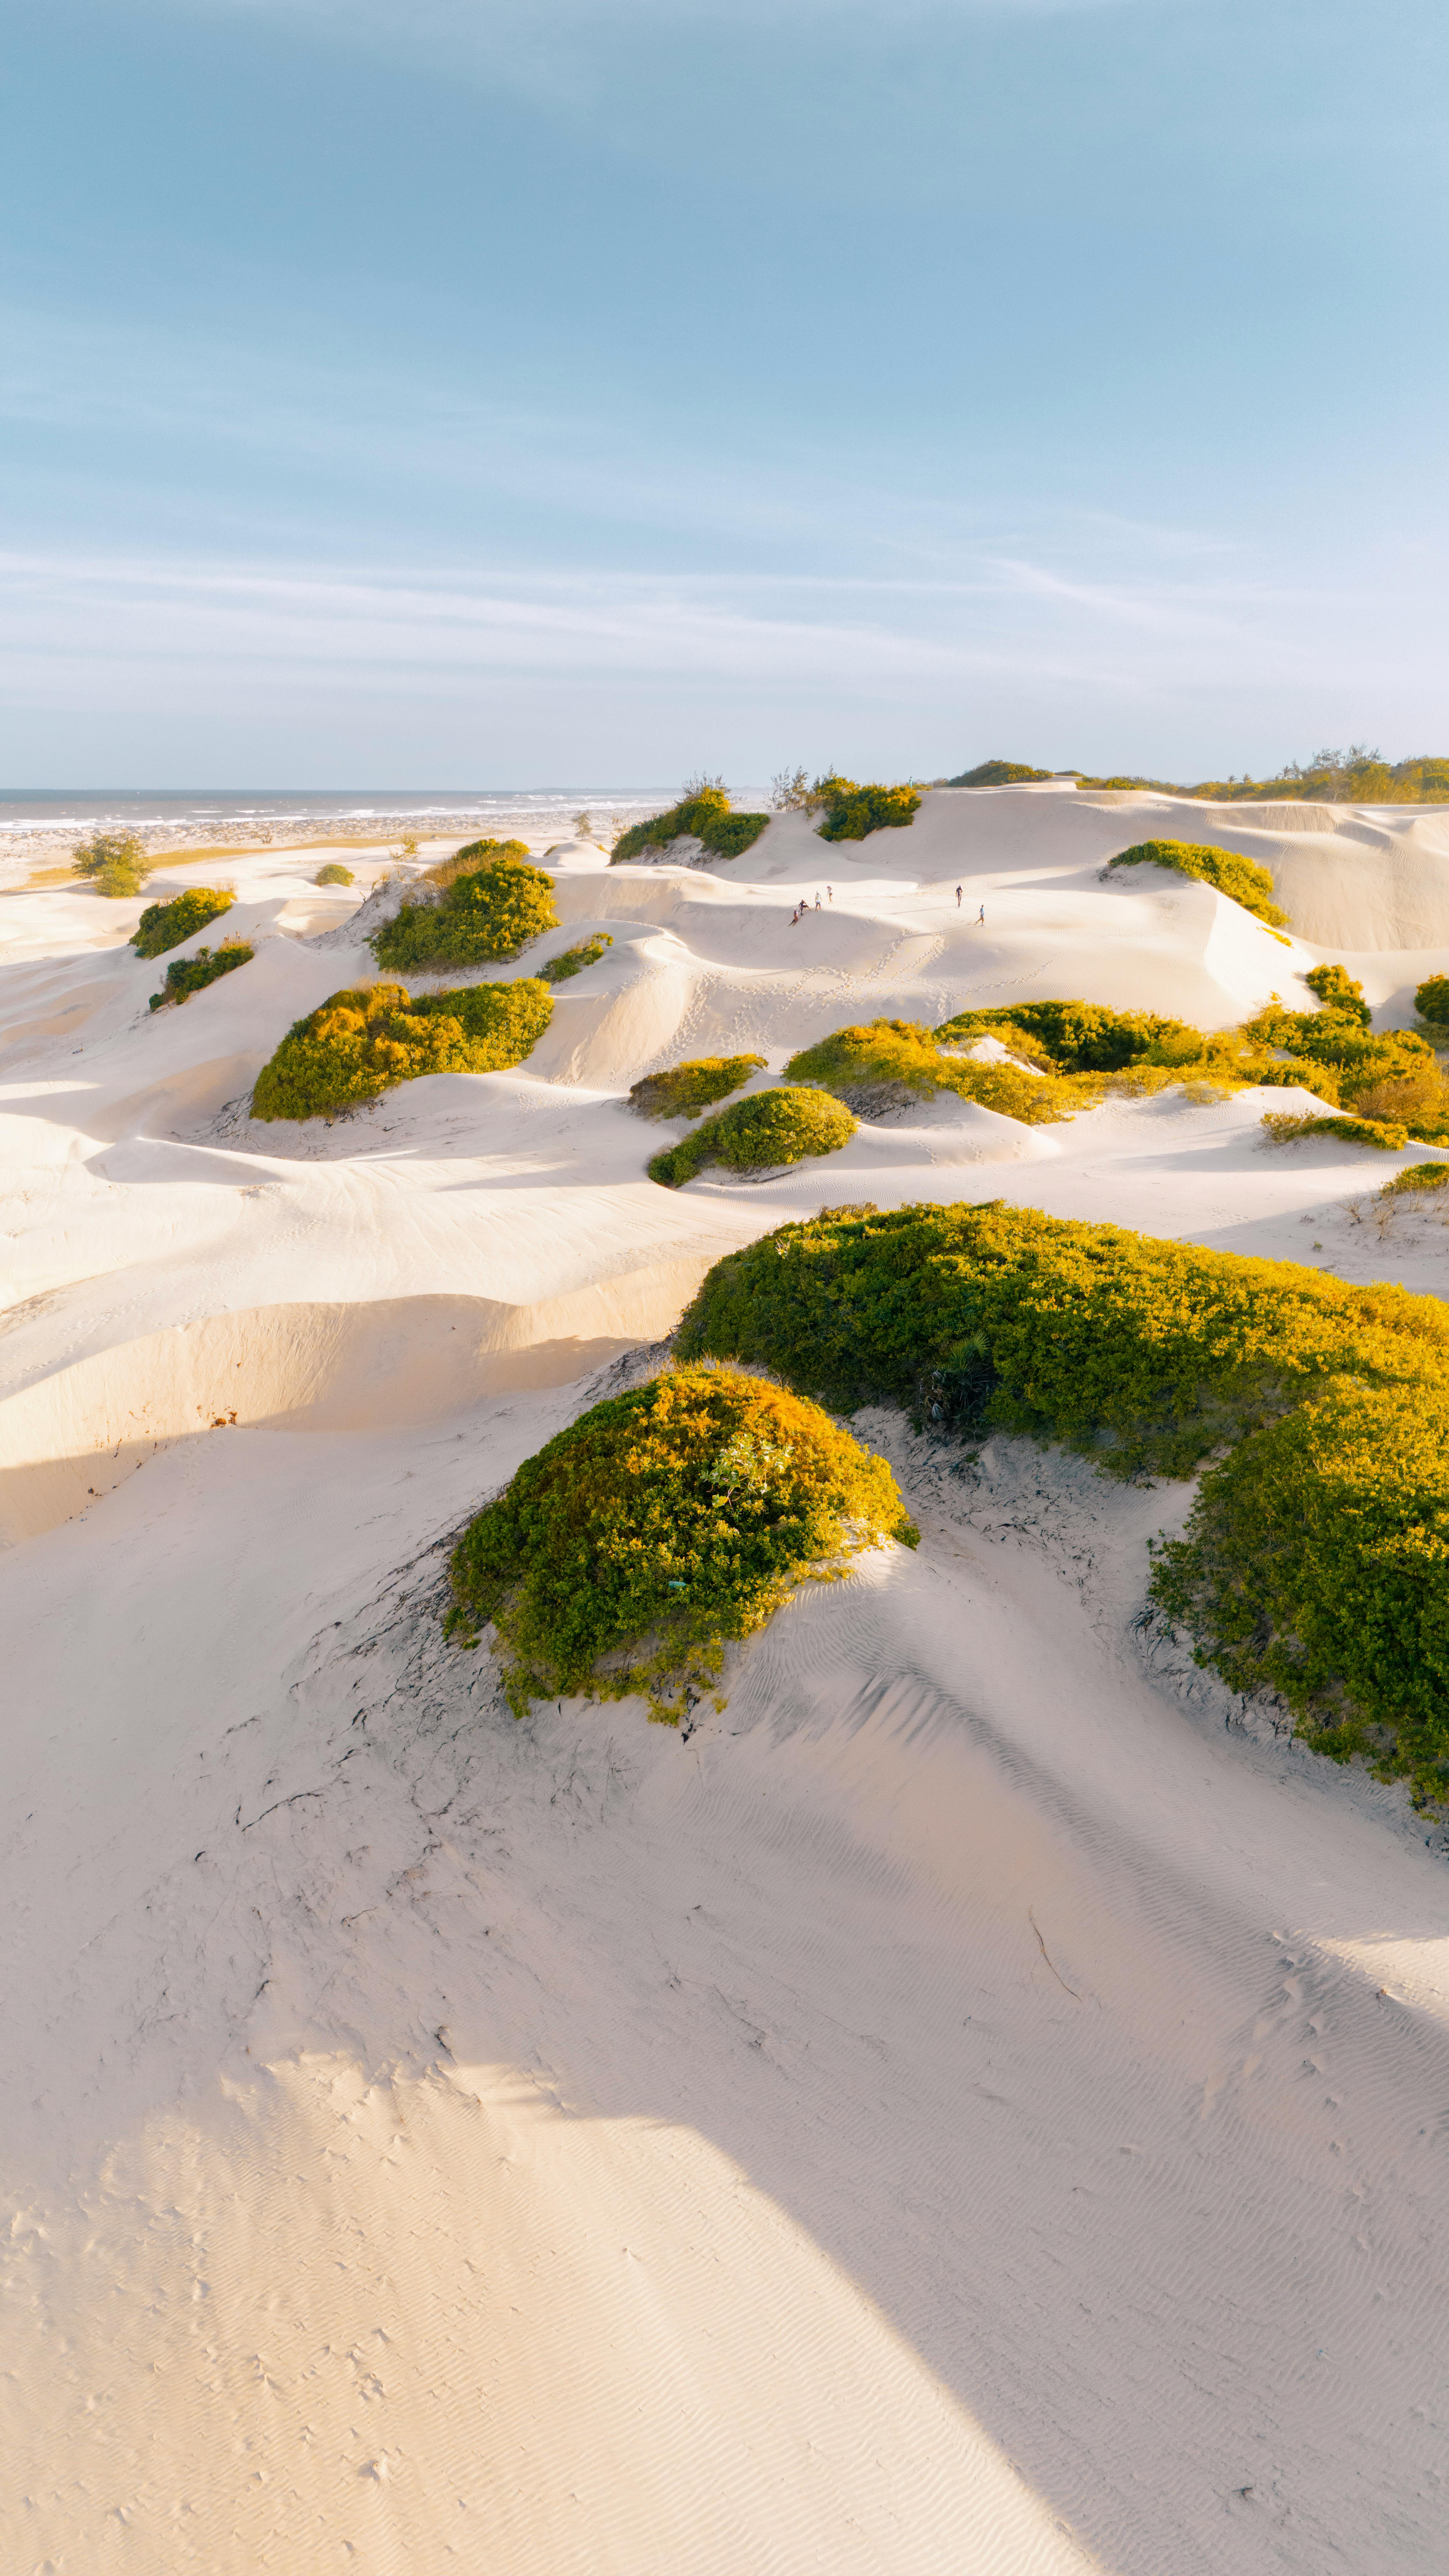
{"x": 920, "y": 2064}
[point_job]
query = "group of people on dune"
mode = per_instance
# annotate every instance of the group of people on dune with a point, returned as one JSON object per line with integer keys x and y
{"x": 804, "y": 906}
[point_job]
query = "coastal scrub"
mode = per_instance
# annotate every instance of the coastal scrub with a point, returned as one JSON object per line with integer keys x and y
{"x": 359, "y": 1042}
{"x": 768, "y": 1129}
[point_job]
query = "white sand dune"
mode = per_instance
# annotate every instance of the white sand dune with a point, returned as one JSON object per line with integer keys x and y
{"x": 975, "y": 2105}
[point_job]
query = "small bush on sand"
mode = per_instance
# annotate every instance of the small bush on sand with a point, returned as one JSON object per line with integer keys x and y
{"x": 997, "y": 773}
{"x": 362, "y": 1041}
{"x": 771, "y": 1128}
{"x": 856, "y": 1063}
{"x": 486, "y": 914}
{"x": 334, "y": 874}
{"x": 1416, "y": 1177}
{"x": 705, "y": 816}
{"x": 1431, "y": 1000}
{"x": 1339, "y": 991}
{"x": 474, "y": 855}
{"x": 684, "y": 1090}
{"x": 851, "y": 811}
{"x": 574, "y": 960}
{"x": 1081, "y": 1037}
{"x": 188, "y": 975}
{"x": 165, "y": 925}
{"x": 115, "y": 863}
{"x": 1285, "y": 1130}
{"x": 1242, "y": 880}
{"x": 661, "y": 1525}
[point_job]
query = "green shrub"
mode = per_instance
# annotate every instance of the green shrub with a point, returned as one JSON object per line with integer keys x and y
{"x": 706, "y": 816}
{"x": 1285, "y": 1130}
{"x": 188, "y": 975}
{"x": 1082, "y": 1037}
{"x": 334, "y": 874}
{"x": 1314, "y": 1564}
{"x": 115, "y": 863}
{"x": 683, "y": 1090}
{"x": 1415, "y": 1177}
{"x": 470, "y": 858}
{"x": 574, "y": 960}
{"x": 1339, "y": 991}
{"x": 1242, "y": 880}
{"x": 997, "y": 773}
{"x": 165, "y": 925}
{"x": 1076, "y": 1332}
{"x": 660, "y": 1525}
{"x": 754, "y": 1135}
{"x": 851, "y": 812}
{"x": 485, "y": 914}
{"x": 1431, "y": 1000}
{"x": 361, "y": 1041}
{"x": 856, "y": 1061}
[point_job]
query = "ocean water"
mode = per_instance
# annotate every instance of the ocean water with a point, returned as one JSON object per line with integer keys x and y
{"x": 217, "y": 813}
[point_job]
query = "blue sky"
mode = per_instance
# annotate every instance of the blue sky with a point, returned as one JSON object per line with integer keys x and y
{"x": 507, "y": 392}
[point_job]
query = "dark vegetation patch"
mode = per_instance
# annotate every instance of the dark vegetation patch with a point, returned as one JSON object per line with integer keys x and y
{"x": 769, "y": 1129}
{"x": 1239, "y": 878}
{"x": 852, "y": 811}
{"x": 188, "y": 975}
{"x": 997, "y": 773}
{"x": 705, "y": 817}
{"x": 486, "y": 913}
{"x": 684, "y": 1090}
{"x": 1316, "y": 1557}
{"x": 165, "y": 925}
{"x": 1431, "y": 1000}
{"x": 362, "y": 1041}
{"x": 334, "y": 874}
{"x": 574, "y": 960}
{"x": 661, "y": 1525}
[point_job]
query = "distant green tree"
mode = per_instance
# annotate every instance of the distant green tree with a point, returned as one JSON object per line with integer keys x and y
{"x": 115, "y": 863}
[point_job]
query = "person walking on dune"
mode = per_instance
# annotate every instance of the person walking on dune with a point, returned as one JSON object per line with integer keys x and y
{"x": 958, "y": 898}
{"x": 981, "y": 916}
{"x": 817, "y": 898}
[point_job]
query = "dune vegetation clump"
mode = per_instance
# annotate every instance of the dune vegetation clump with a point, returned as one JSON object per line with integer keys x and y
{"x": 1242, "y": 880}
{"x": 360, "y": 1042}
{"x": 851, "y": 811}
{"x": 1392, "y": 1076}
{"x": 685, "y": 1090}
{"x": 1340, "y": 992}
{"x": 998, "y": 773}
{"x": 659, "y": 1527}
{"x": 1431, "y": 1000}
{"x": 334, "y": 874}
{"x": 165, "y": 925}
{"x": 114, "y": 862}
{"x": 1081, "y": 1037}
{"x": 1315, "y": 1560}
{"x": 703, "y": 814}
{"x": 1415, "y": 1178}
{"x": 466, "y": 862}
{"x": 188, "y": 975}
{"x": 881, "y": 1063}
{"x": 758, "y": 1134}
{"x": 1379, "y": 1132}
{"x": 484, "y": 914}
{"x": 574, "y": 960}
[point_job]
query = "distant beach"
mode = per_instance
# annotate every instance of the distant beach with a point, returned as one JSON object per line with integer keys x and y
{"x": 39, "y": 827}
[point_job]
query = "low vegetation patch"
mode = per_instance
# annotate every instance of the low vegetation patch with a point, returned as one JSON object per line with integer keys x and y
{"x": 855, "y": 1063}
{"x": 362, "y": 1041}
{"x": 1414, "y": 1178}
{"x": 473, "y": 855}
{"x": 1239, "y": 878}
{"x": 574, "y": 960}
{"x": 851, "y": 811}
{"x": 997, "y": 773}
{"x": 334, "y": 874}
{"x": 663, "y": 1524}
{"x": 758, "y": 1134}
{"x": 188, "y": 975}
{"x": 1431, "y": 1000}
{"x": 165, "y": 925}
{"x": 1081, "y": 1037}
{"x": 684, "y": 1090}
{"x": 1285, "y": 1130}
{"x": 705, "y": 816}
{"x": 1316, "y": 1557}
{"x": 114, "y": 862}
{"x": 1391, "y": 1077}
{"x": 485, "y": 914}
